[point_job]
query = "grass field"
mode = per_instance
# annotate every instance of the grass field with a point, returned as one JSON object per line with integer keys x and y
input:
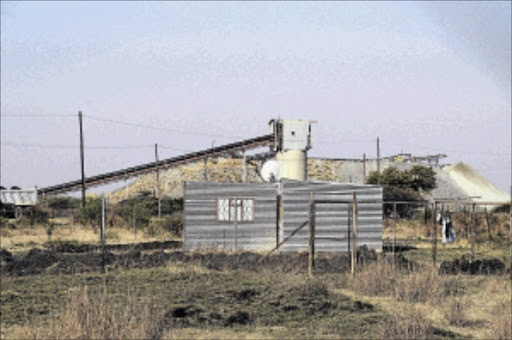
{"x": 190, "y": 299}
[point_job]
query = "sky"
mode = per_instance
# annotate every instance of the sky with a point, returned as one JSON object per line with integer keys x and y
{"x": 424, "y": 77}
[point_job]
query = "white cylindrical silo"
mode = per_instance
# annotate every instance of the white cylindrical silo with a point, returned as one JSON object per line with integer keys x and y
{"x": 292, "y": 164}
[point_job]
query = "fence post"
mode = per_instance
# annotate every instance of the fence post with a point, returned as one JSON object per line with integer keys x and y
{"x": 473, "y": 227}
{"x": 434, "y": 227}
{"x": 354, "y": 233}
{"x": 103, "y": 234}
{"x": 311, "y": 257}
{"x": 349, "y": 212}
{"x": 235, "y": 218}
{"x": 425, "y": 217}
{"x": 394, "y": 233}
{"x": 488, "y": 222}
{"x": 278, "y": 217}
{"x": 466, "y": 222}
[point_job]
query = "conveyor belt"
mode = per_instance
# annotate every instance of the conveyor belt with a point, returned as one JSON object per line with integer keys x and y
{"x": 114, "y": 176}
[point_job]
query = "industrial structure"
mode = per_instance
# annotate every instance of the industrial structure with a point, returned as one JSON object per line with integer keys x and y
{"x": 257, "y": 216}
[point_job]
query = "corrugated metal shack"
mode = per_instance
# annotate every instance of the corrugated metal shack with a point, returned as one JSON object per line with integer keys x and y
{"x": 256, "y": 216}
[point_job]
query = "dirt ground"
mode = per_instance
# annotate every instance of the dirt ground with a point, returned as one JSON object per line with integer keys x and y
{"x": 78, "y": 258}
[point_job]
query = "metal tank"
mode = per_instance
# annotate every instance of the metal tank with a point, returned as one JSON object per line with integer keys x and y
{"x": 292, "y": 140}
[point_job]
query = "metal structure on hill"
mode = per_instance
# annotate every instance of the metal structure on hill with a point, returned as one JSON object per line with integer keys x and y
{"x": 266, "y": 140}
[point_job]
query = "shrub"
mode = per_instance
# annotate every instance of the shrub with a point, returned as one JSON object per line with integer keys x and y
{"x": 169, "y": 224}
{"x": 61, "y": 202}
{"x": 504, "y": 208}
{"x": 91, "y": 214}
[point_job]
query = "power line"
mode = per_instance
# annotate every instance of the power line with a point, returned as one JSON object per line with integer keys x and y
{"x": 145, "y": 126}
{"x": 37, "y": 115}
{"x": 120, "y": 122}
{"x": 96, "y": 147}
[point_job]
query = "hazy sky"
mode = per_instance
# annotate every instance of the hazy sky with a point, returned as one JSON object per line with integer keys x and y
{"x": 424, "y": 77}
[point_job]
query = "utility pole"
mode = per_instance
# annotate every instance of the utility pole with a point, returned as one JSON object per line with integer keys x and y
{"x": 158, "y": 183}
{"x": 364, "y": 167}
{"x": 244, "y": 174}
{"x": 311, "y": 235}
{"x": 82, "y": 157}
{"x": 354, "y": 234}
{"x": 510, "y": 233}
{"x": 103, "y": 234}
{"x": 378, "y": 155}
{"x": 206, "y": 164}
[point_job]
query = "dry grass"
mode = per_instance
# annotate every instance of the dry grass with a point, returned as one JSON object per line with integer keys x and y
{"x": 377, "y": 278}
{"x": 408, "y": 323}
{"x": 94, "y": 317}
{"x": 405, "y": 229}
{"x": 457, "y": 310}
{"x": 207, "y": 334}
{"x": 478, "y": 306}
{"x": 25, "y": 238}
{"x": 421, "y": 286}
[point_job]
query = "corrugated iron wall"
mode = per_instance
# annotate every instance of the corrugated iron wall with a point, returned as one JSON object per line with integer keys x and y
{"x": 331, "y": 220}
{"x": 204, "y": 231}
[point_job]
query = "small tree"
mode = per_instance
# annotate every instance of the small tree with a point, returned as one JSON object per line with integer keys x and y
{"x": 91, "y": 214}
{"x": 403, "y": 185}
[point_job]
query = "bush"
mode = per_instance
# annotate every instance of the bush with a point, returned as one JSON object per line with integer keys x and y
{"x": 391, "y": 193}
{"x": 61, "y": 202}
{"x": 169, "y": 224}
{"x": 91, "y": 214}
{"x": 405, "y": 185}
{"x": 504, "y": 208}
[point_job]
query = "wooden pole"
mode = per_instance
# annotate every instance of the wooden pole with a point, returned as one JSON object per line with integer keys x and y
{"x": 311, "y": 236}
{"x": 434, "y": 234}
{"x": 235, "y": 218}
{"x": 134, "y": 222}
{"x": 378, "y": 155}
{"x": 466, "y": 222}
{"x": 349, "y": 213}
{"x": 279, "y": 203}
{"x": 82, "y": 162}
{"x": 364, "y": 167}
{"x": 394, "y": 233}
{"x": 103, "y": 234}
{"x": 354, "y": 233}
{"x": 158, "y": 183}
{"x": 425, "y": 217}
{"x": 244, "y": 174}
{"x": 472, "y": 231}
{"x": 206, "y": 168}
{"x": 488, "y": 222}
